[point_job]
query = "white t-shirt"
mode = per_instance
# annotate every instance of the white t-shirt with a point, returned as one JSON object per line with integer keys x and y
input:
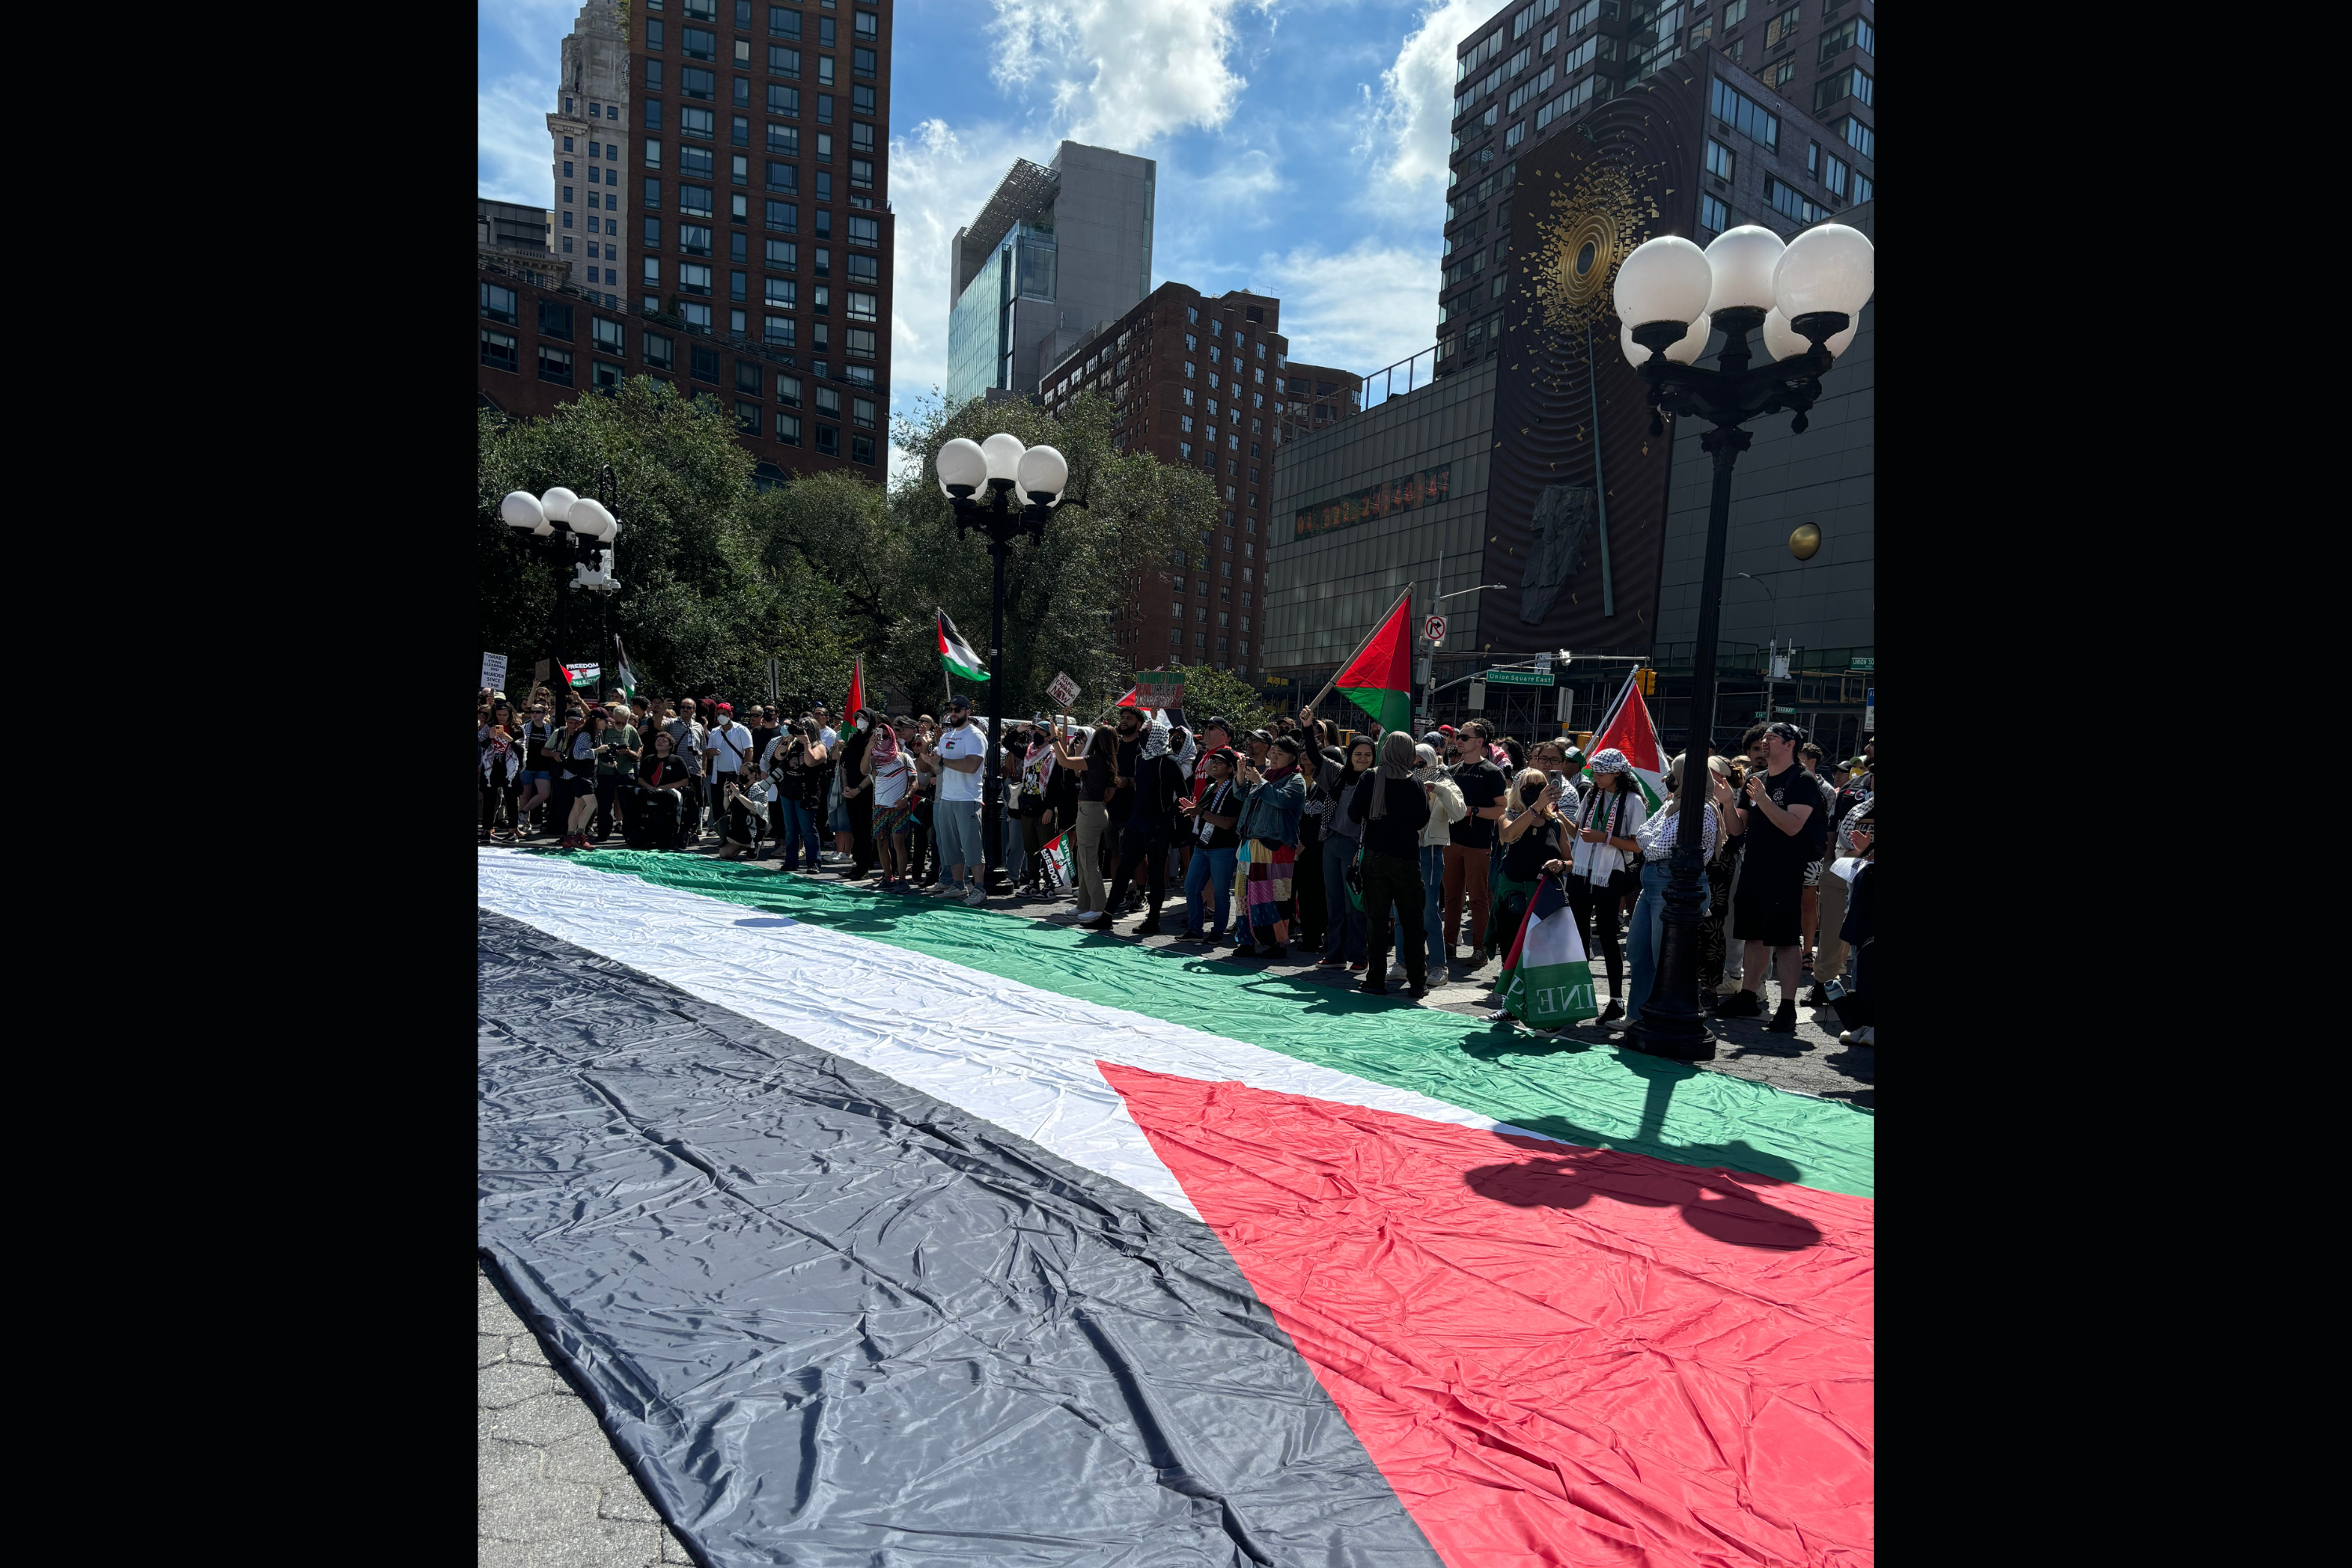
{"x": 828, "y": 737}
{"x": 962, "y": 741}
{"x": 729, "y": 743}
{"x": 890, "y": 781}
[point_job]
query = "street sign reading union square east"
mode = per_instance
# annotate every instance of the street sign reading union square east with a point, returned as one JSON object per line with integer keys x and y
{"x": 1403, "y": 494}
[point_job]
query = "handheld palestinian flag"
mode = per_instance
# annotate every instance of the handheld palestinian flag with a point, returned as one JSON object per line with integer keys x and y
{"x": 622, "y": 675}
{"x": 851, "y": 704}
{"x": 956, "y": 653}
{"x": 1628, "y": 728}
{"x": 1061, "y": 870}
{"x": 580, "y": 676}
{"x": 1378, "y": 679}
{"x": 1547, "y": 981}
{"x": 1128, "y": 700}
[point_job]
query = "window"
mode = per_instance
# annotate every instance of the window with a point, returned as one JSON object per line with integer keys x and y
{"x": 653, "y": 79}
{"x": 788, "y": 429}
{"x": 863, "y": 411}
{"x": 555, "y": 364}
{"x": 1854, "y": 84}
{"x": 694, "y": 239}
{"x": 784, "y": 217}
{"x": 606, "y": 335}
{"x": 697, "y": 316}
{"x": 828, "y": 400}
{"x": 865, "y": 231}
{"x": 1719, "y": 160}
{"x": 742, "y": 63}
{"x": 861, "y": 173}
{"x": 693, "y": 200}
{"x": 862, "y": 62}
{"x": 706, "y": 364}
{"x": 824, "y": 79}
{"x": 693, "y": 278}
{"x": 607, "y": 377}
{"x": 652, "y": 279}
{"x": 743, "y": 131}
{"x": 784, "y": 101}
{"x": 863, "y": 307}
{"x": 1858, "y": 136}
{"x": 785, "y": 138}
{"x": 696, "y": 122}
{"x": 1789, "y": 202}
{"x": 498, "y": 303}
{"x": 655, "y": 349}
{"x": 783, "y": 24}
{"x": 567, "y": 193}
{"x": 828, "y": 441}
{"x": 1781, "y": 28}
{"x": 652, "y": 114}
{"x": 702, "y": 44}
{"x": 784, "y": 177}
{"x": 1744, "y": 115}
{"x": 864, "y": 268}
{"x": 784, "y": 62}
{"x": 696, "y": 82}
{"x": 499, "y": 350}
{"x": 1855, "y": 34}
{"x": 654, "y": 36}
{"x": 554, "y": 320}
{"x": 1781, "y": 74}
{"x": 1863, "y": 188}
{"x": 735, "y": 287}
{"x": 783, "y": 253}
{"x": 861, "y": 449}
{"x": 1833, "y": 176}
{"x": 869, "y": 27}
{"x": 1713, "y": 214}
{"x": 781, "y": 331}
{"x": 1734, "y": 12}
{"x": 824, "y": 101}
{"x": 783, "y": 294}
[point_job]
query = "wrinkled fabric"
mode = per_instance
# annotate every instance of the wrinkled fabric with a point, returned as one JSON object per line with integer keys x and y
{"x": 827, "y": 1320}
{"x": 1597, "y": 1096}
{"x": 1556, "y": 1355}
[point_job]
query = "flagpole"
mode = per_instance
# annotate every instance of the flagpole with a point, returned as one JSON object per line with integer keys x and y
{"x": 1361, "y": 647}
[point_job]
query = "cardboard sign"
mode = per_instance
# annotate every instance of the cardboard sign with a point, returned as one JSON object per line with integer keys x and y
{"x": 1063, "y": 691}
{"x": 1160, "y": 689}
{"x": 494, "y": 671}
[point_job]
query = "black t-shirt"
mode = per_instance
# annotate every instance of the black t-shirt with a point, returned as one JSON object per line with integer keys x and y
{"x": 1852, "y": 794}
{"x": 1122, "y": 801}
{"x": 759, "y": 739}
{"x": 535, "y": 736}
{"x": 1482, "y": 786}
{"x": 1095, "y": 784}
{"x": 1397, "y": 832}
{"x": 1216, "y": 800}
{"x": 1770, "y": 852}
{"x": 1524, "y": 857}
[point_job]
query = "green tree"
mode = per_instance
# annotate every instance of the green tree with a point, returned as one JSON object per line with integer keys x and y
{"x": 1210, "y": 692}
{"x": 703, "y": 607}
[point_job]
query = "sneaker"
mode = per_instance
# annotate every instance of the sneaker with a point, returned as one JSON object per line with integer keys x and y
{"x": 1817, "y": 997}
{"x": 1610, "y": 1014}
{"x": 1371, "y": 987}
{"x": 945, "y": 890}
{"x": 1358, "y": 966}
{"x": 1865, "y": 1036}
{"x": 1476, "y": 962}
{"x": 1095, "y": 918}
{"x": 975, "y": 898}
{"x": 1332, "y": 962}
{"x": 1740, "y": 1004}
{"x": 1784, "y": 1019}
{"x": 1396, "y": 969}
{"x": 1417, "y": 990}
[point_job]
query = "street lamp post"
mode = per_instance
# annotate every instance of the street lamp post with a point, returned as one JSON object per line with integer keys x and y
{"x": 583, "y": 529}
{"x": 1806, "y": 295}
{"x": 1000, "y": 464}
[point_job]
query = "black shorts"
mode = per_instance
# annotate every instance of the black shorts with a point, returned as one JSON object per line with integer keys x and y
{"x": 1770, "y": 906}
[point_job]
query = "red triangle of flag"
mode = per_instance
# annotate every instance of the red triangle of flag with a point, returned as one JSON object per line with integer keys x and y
{"x": 1555, "y": 1354}
{"x": 1379, "y": 678}
{"x": 856, "y": 698}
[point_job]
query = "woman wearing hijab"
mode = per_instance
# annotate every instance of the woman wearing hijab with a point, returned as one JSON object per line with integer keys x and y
{"x": 1390, "y": 808}
{"x": 1269, "y": 830}
{"x": 1342, "y": 838}
{"x": 1605, "y": 828}
{"x": 1658, "y": 836}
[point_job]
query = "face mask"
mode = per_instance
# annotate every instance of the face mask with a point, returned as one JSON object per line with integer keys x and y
{"x": 861, "y": 723}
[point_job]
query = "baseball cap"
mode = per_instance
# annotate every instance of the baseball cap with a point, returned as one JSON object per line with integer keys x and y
{"x": 958, "y": 700}
{"x": 727, "y": 708}
{"x": 1794, "y": 734}
{"x": 1445, "y": 729}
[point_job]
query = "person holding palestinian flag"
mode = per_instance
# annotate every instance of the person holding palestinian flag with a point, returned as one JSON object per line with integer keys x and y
{"x": 1607, "y": 823}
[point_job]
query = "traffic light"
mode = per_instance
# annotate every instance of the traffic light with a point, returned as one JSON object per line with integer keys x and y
{"x": 1645, "y": 681}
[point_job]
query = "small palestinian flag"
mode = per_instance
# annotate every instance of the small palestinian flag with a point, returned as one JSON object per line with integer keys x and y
{"x": 622, "y": 675}
{"x": 856, "y": 701}
{"x": 956, "y": 653}
{"x": 1628, "y": 728}
{"x": 1546, "y": 981}
{"x": 1061, "y": 870}
{"x": 582, "y": 677}
{"x": 1128, "y": 700}
{"x": 1378, "y": 679}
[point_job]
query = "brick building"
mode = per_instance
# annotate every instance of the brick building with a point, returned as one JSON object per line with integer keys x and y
{"x": 1203, "y": 382}
{"x": 1538, "y": 68}
{"x": 720, "y": 169}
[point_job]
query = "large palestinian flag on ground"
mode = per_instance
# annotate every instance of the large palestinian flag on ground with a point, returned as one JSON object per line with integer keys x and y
{"x": 889, "y": 1232}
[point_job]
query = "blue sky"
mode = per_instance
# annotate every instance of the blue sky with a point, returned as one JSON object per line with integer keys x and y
{"x": 1301, "y": 145}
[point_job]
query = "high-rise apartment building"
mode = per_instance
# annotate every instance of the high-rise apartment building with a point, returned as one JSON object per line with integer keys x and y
{"x": 1537, "y": 67}
{"x": 1055, "y": 250}
{"x": 722, "y": 196}
{"x": 1204, "y": 383}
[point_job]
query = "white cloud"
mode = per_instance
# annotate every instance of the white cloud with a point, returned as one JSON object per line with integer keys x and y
{"x": 1120, "y": 73}
{"x": 1361, "y": 310}
{"x": 511, "y": 151}
{"x": 1406, "y": 125}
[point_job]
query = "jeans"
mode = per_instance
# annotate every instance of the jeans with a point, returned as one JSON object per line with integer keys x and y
{"x": 1433, "y": 882}
{"x": 1391, "y": 882}
{"x": 1213, "y": 867}
{"x": 798, "y": 829}
{"x": 1465, "y": 878}
{"x": 957, "y": 823}
{"x": 1343, "y": 921}
{"x": 1094, "y": 818}
{"x": 1649, "y": 936}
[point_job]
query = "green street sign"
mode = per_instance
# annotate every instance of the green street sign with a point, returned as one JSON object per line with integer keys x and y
{"x": 1862, "y": 661}
{"x": 1518, "y": 678}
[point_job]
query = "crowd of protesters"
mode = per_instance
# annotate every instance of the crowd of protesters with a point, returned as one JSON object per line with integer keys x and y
{"x": 1392, "y": 858}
